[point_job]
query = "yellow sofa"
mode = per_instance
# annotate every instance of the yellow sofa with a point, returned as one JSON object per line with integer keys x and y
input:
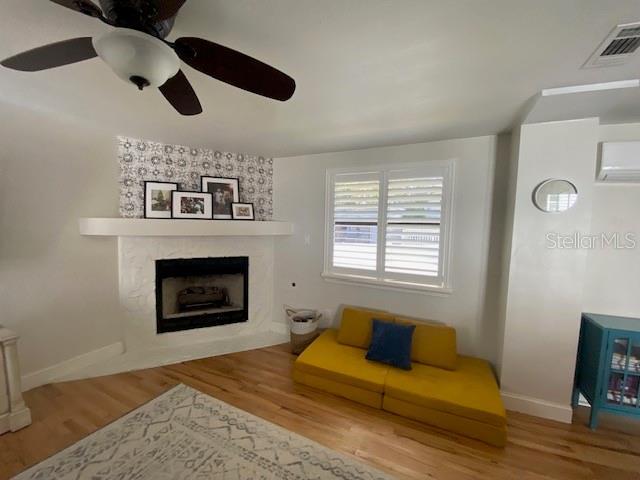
{"x": 443, "y": 389}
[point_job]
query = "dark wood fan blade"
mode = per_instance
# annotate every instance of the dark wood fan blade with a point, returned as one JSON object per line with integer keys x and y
{"x": 52, "y": 55}
{"x": 83, "y": 6}
{"x": 235, "y": 68}
{"x": 179, "y": 92}
{"x": 168, "y": 9}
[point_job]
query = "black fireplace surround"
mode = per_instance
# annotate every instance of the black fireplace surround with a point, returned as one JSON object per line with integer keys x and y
{"x": 194, "y": 267}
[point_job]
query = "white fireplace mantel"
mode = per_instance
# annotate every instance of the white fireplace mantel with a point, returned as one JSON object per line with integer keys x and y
{"x": 146, "y": 227}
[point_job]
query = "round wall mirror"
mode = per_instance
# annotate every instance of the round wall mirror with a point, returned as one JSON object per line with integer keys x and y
{"x": 555, "y": 195}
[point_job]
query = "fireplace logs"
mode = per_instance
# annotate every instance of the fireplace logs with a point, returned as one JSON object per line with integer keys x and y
{"x": 201, "y": 298}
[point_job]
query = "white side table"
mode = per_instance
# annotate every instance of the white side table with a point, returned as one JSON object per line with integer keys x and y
{"x": 14, "y": 414}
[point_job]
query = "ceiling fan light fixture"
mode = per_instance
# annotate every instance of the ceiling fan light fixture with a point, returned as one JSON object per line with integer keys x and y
{"x": 137, "y": 57}
{"x": 137, "y": 53}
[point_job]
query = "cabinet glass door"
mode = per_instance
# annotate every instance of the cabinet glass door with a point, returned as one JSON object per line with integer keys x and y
{"x": 630, "y": 396}
{"x": 623, "y": 386}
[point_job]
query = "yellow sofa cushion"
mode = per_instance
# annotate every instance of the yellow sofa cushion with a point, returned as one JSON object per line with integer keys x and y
{"x": 356, "y": 326}
{"x": 327, "y": 358}
{"x": 491, "y": 434}
{"x": 470, "y": 391}
{"x": 360, "y": 395}
{"x": 433, "y": 344}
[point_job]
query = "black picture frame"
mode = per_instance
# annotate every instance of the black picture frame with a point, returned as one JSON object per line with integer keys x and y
{"x": 184, "y": 193}
{"x": 205, "y": 180}
{"x": 146, "y": 212}
{"x": 247, "y": 204}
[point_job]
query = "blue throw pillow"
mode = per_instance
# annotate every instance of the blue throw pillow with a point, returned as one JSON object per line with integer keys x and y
{"x": 391, "y": 344}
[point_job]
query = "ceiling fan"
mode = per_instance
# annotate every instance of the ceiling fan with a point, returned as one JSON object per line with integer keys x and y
{"x": 136, "y": 50}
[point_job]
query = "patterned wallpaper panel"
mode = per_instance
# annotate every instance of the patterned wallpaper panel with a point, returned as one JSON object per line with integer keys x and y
{"x": 142, "y": 160}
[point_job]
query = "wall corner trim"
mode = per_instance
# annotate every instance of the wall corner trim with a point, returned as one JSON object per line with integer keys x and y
{"x": 537, "y": 407}
{"x": 60, "y": 370}
{"x": 279, "y": 327}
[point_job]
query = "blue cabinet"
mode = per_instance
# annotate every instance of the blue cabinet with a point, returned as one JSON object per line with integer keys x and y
{"x": 608, "y": 365}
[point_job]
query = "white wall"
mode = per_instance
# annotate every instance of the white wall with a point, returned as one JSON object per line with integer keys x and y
{"x": 58, "y": 290}
{"x": 612, "y": 278}
{"x": 545, "y": 286}
{"x": 299, "y": 197}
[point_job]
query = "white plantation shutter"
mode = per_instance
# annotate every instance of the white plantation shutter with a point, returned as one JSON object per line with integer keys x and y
{"x": 414, "y": 207}
{"x": 389, "y": 226}
{"x": 355, "y": 221}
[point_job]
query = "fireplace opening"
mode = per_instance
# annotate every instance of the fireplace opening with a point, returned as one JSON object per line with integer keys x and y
{"x": 201, "y": 292}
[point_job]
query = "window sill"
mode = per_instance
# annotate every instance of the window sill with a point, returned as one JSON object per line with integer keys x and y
{"x": 394, "y": 285}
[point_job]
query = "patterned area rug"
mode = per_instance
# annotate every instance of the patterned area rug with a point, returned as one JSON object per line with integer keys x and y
{"x": 185, "y": 434}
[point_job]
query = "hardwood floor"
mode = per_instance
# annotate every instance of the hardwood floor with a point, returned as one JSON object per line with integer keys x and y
{"x": 259, "y": 382}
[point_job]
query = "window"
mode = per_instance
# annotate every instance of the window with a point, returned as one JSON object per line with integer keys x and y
{"x": 389, "y": 226}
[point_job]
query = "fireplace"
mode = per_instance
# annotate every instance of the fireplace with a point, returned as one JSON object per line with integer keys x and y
{"x": 201, "y": 292}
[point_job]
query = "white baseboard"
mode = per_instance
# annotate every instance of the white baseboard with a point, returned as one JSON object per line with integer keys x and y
{"x": 113, "y": 358}
{"x": 156, "y": 357}
{"x": 62, "y": 369}
{"x": 537, "y": 407}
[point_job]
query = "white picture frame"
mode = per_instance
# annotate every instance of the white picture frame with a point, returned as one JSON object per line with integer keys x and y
{"x": 191, "y": 205}
{"x": 242, "y": 211}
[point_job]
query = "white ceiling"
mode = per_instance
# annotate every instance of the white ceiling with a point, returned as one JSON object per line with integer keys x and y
{"x": 369, "y": 72}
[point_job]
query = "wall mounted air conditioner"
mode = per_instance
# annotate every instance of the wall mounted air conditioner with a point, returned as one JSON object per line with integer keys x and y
{"x": 620, "y": 162}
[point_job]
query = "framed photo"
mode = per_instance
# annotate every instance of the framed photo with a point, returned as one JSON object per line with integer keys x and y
{"x": 225, "y": 191}
{"x": 242, "y": 211}
{"x": 157, "y": 199}
{"x": 194, "y": 205}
